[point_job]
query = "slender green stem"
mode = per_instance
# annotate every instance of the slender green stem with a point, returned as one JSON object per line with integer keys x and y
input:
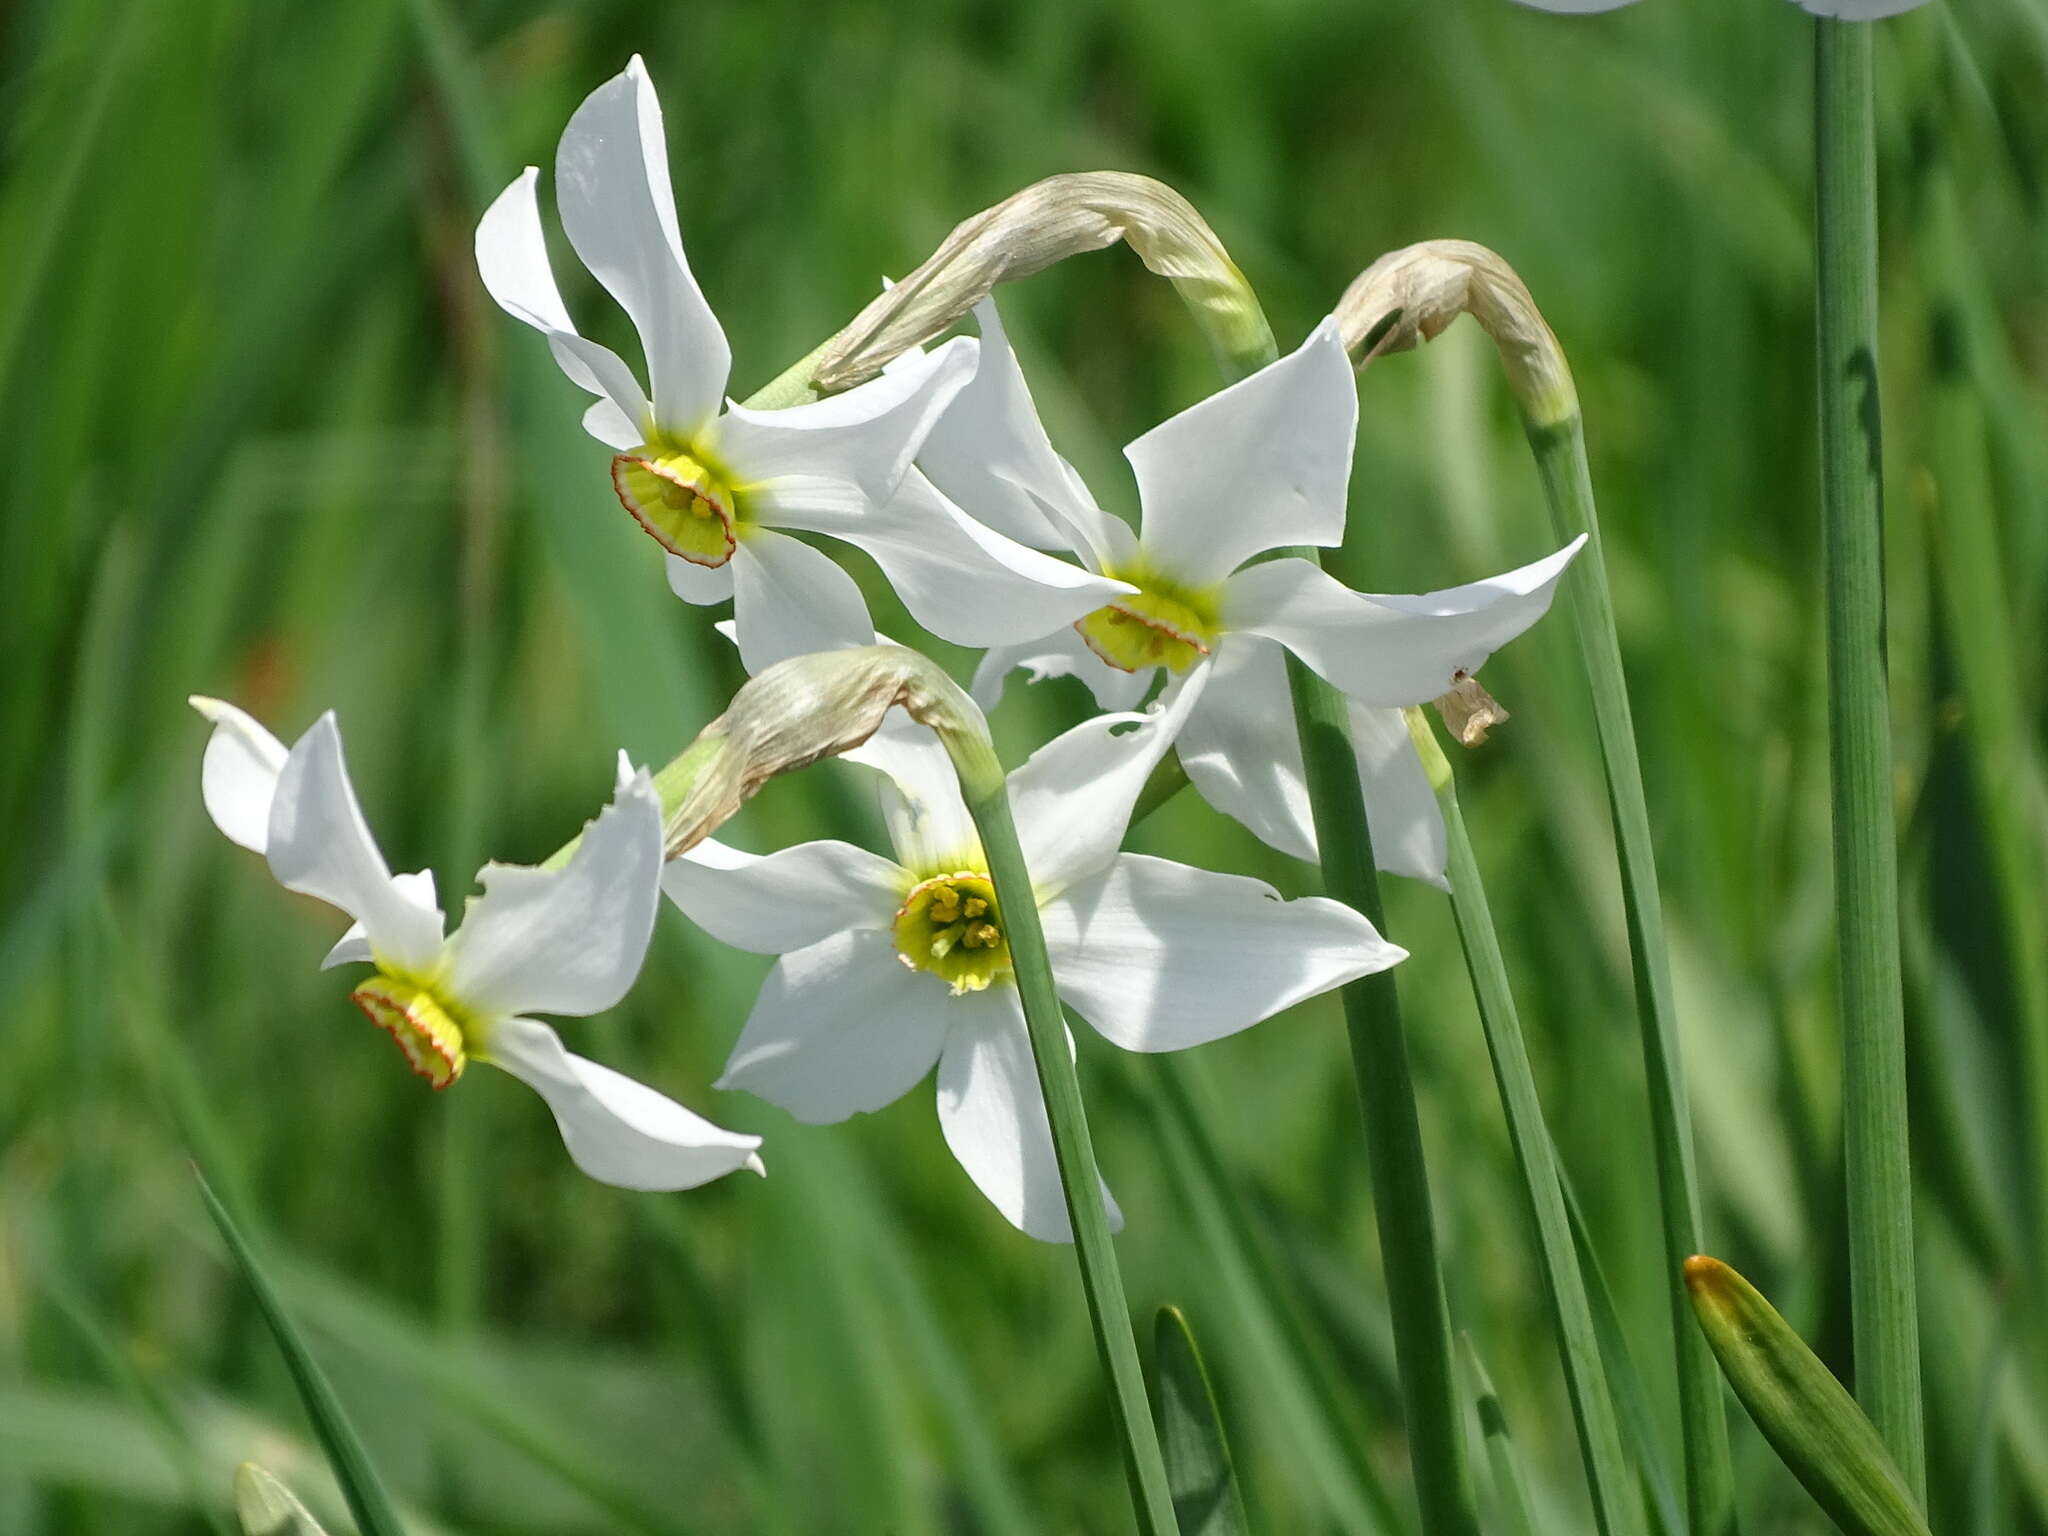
{"x": 1108, "y": 1310}
{"x": 1393, "y": 1127}
{"x": 1617, "y": 1505}
{"x": 1560, "y": 449}
{"x": 1881, "y": 1284}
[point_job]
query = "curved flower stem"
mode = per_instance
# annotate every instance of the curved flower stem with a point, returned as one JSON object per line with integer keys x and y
{"x": 1393, "y": 1128}
{"x": 1881, "y": 1282}
{"x": 1617, "y": 1505}
{"x": 1108, "y": 1309}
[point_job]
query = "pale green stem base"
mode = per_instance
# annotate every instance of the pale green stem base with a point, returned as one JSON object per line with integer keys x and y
{"x": 1881, "y": 1280}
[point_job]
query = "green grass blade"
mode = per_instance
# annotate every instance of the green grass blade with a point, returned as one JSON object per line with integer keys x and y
{"x": 1518, "y": 1519}
{"x": 1876, "y": 1168}
{"x": 267, "y": 1508}
{"x": 1206, "y": 1500}
{"x": 360, "y": 1485}
{"x": 1810, "y": 1420}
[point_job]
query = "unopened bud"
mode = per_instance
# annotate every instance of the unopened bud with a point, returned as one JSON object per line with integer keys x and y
{"x": 1469, "y": 711}
{"x": 265, "y": 1507}
{"x": 1408, "y": 296}
{"x": 1026, "y": 233}
{"x": 811, "y": 707}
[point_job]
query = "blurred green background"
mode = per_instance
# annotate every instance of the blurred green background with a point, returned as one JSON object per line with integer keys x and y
{"x": 266, "y": 438}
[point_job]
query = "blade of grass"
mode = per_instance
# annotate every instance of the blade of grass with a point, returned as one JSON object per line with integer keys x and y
{"x": 1508, "y": 1486}
{"x": 1206, "y": 1500}
{"x": 1876, "y": 1160}
{"x": 360, "y": 1485}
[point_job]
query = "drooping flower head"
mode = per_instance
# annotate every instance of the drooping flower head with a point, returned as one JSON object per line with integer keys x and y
{"x": 712, "y": 486}
{"x": 891, "y": 966}
{"x": 1259, "y": 466}
{"x": 564, "y": 941}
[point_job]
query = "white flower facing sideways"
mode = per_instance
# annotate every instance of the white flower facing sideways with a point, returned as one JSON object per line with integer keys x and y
{"x": 1258, "y": 466}
{"x": 713, "y": 486}
{"x": 891, "y": 966}
{"x": 565, "y": 941}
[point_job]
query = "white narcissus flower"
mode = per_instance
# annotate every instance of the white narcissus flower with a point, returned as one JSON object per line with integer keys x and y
{"x": 891, "y": 966}
{"x": 712, "y": 487}
{"x": 566, "y": 941}
{"x": 1258, "y": 466}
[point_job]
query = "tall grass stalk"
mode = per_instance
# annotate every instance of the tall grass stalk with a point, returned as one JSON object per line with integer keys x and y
{"x": 1886, "y": 1328}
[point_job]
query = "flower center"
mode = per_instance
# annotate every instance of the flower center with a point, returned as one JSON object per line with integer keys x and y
{"x": 1157, "y": 627}
{"x": 685, "y": 505}
{"x": 427, "y": 1027}
{"x": 949, "y": 925}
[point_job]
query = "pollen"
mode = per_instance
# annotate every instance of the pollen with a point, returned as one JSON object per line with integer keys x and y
{"x": 685, "y": 505}
{"x": 949, "y": 925}
{"x": 427, "y": 1028}
{"x": 1151, "y": 628}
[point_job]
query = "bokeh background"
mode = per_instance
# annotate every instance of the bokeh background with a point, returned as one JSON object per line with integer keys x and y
{"x": 266, "y": 438}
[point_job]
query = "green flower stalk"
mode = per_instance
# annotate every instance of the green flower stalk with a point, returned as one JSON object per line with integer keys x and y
{"x": 1406, "y": 297}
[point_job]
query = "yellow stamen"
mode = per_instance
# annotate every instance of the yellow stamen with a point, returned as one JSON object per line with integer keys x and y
{"x": 946, "y": 926}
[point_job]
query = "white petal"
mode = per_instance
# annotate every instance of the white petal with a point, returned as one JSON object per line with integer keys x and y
{"x": 1581, "y": 7}
{"x": 841, "y": 1028}
{"x": 993, "y": 1114}
{"x": 928, "y": 822}
{"x": 238, "y": 774}
{"x": 1859, "y": 10}
{"x": 1256, "y": 466}
{"x": 566, "y": 940}
{"x": 989, "y": 453}
{"x": 353, "y": 947}
{"x": 1072, "y": 798}
{"x": 699, "y": 584}
{"x": 1241, "y": 749}
{"x": 612, "y": 185}
{"x": 865, "y": 437}
{"x": 319, "y": 845}
{"x": 1408, "y": 835}
{"x": 1159, "y": 956}
{"x": 512, "y": 256}
{"x": 618, "y": 1131}
{"x": 1063, "y": 653}
{"x": 784, "y": 901}
{"x": 963, "y": 582}
{"x": 1390, "y": 650}
{"x": 791, "y": 600}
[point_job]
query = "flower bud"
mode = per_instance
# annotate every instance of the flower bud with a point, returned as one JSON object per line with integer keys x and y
{"x": 1026, "y": 233}
{"x": 1408, "y": 296}
{"x": 811, "y": 707}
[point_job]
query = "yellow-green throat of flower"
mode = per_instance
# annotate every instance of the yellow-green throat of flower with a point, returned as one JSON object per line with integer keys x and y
{"x": 949, "y": 925}
{"x": 1160, "y": 625}
{"x": 686, "y": 505}
{"x": 429, "y": 1028}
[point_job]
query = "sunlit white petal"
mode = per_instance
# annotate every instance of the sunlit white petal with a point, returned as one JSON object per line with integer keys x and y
{"x": 774, "y": 903}
{"x": 792, "y": 600}
{"x": 320, "y": 845}
{"x": 566, "y": 940}
{"x": 993, "y": 1115}
{"x": 841, "y": 1028}
{"x": 928, "y": 822}
{"x": 699, "y": 584}
{"x": 238, "y": 775}
{"x": 353, "y": 947}
{"x": 1384, "y": 649}
{"x": 618, "y": 209}
{"x": 1063, "y": 653}
{"x": 1159, "y": 956}
{"x": 618, "y": 1131}
{"x": 1241, "y": 750}
{"x": 1407, "y": 825}
{"x": 1859, "y": 10}
{"x": 1261, "y": 464}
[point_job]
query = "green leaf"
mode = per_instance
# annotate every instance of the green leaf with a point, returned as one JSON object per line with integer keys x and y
{"x": 1198, "y": 1468}
{"x": 360, "y": 1485}
{"x": 1510, "y": 1490}
{"x": 1808, "y": 1416}
{"x": 267, "y": 1508}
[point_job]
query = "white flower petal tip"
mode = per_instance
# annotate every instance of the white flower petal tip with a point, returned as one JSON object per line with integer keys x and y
{"x": 238, "y": 775}
{"x": 1574, "y": 7}
{"x": 1859, "y": 10}
{"x": 619, "y": 1131}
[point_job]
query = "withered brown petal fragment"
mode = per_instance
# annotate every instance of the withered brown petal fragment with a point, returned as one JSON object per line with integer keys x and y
{"x": 1469, "y": 711}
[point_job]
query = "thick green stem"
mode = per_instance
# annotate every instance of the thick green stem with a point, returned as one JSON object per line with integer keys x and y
{"x": 1881, "y": 1283}
{"x": 1108, "y": 1310}
{"x": 1617, "y": 1503}
{"x": 1560, "y": 449}
{"x": 1393, "y": 1128}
